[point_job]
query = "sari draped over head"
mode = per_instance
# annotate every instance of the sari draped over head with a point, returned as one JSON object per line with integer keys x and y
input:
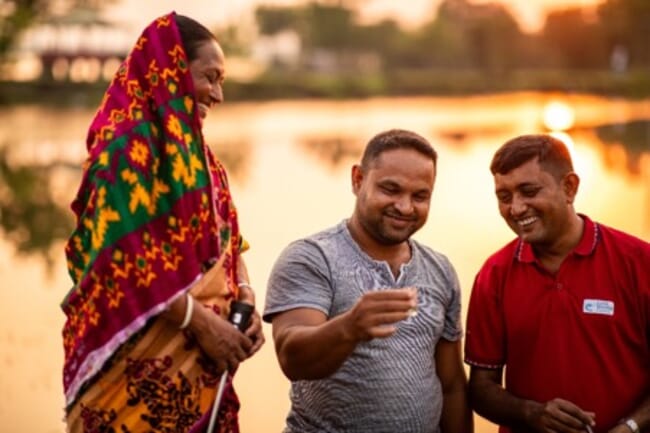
{"x": 152, "y": 210}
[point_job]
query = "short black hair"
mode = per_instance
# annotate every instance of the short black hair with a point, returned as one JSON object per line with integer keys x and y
{"x": 193, "y": 34}
{"x": 551, "y": 153}
{"x": 397, "y": 139}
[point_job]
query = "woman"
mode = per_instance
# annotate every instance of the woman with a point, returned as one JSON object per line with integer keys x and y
{"x": 155, "y": 257}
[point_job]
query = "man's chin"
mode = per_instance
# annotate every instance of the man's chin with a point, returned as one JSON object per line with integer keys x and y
{"x": 396, "y": 237}
{"x": 529, "y": 237}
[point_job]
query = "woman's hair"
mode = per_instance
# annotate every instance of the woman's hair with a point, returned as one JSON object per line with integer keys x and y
{"x": 193, "y": 34}
{"x": 397, "y": 139}
{"x": 550, "y": 152}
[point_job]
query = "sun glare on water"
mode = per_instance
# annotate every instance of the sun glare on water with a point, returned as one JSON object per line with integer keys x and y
{"x": 558, "y": 116}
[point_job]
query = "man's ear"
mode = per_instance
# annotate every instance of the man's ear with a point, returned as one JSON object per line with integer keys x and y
{"x": 357, "y": 178}
{"x": 570, "y": 184}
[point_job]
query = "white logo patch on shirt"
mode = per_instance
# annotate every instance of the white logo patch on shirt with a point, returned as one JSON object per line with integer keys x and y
{"x": 598, "y": 306}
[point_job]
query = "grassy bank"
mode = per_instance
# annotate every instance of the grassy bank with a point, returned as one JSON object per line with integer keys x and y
{"x": 297, "y": 85}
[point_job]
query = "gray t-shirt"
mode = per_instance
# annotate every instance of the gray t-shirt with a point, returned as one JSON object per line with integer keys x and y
{"x": 387, "y": 384}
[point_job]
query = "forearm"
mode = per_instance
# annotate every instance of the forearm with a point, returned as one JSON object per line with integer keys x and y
{"x": 642, "y": 415}
{"x": 176, "y": 311}
{"x": 456, "y": 413}
{"x": 309, "y": 352}
{"x": 493, "y": 402}
{"x": 184, "y": 311}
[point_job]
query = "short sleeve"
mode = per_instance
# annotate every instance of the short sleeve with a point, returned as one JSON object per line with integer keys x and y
{"x": 300, "y": 278}
{"x": 453, "y": 328}
{"x": 485, "y": 331}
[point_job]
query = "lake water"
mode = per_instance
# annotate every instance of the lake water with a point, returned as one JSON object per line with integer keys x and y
{"x": 289, "y": 164}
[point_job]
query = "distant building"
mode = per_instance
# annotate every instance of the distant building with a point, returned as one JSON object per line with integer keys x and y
{"x": 79, "y": 46}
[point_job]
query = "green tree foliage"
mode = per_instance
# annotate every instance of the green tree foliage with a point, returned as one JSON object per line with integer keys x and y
{"x": 16, "y": 16}
{"x": 462, "y": 35}
{"x": 626, "y": 23}
{"x": 330, "y": 27}
{"x": 274, "y": 19}
{"x": 577, "y": 42}
{"x": 487, "y": 36}
{"x": 320, "y": 26}
{"x": 468, "y": 35}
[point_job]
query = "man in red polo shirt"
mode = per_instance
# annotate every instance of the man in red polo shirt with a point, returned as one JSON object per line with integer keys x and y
{"x": 565, "y": 307}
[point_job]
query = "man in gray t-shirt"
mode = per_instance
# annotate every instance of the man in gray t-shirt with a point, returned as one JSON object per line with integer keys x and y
{"x": 366, "y": 321}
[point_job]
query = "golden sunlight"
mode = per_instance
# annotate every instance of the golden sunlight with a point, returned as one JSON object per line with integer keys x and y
{"x": 558, "y": 116}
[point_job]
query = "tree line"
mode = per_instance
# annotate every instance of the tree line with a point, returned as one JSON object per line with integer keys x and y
{"x": 464, "y": 35}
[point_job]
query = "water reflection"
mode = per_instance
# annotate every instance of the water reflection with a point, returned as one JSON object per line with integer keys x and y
{"x": 34, "y": 213}
{"x": 333, "y": 150}
{"x": 31, "y": 217}
{"x": 629, "y": 141}
{"x": 233, "y": 151}
{"x": 289, "y": 168}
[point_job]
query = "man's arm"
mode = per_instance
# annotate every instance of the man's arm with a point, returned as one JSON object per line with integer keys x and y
{"x": 490, "y": 400}
{"x": 309, "y": 346}
{"x": 641, "y": 416}
{"x": 456, "y": 413}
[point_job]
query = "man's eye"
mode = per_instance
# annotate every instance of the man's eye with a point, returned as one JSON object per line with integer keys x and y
{"x": 530, "y": 192}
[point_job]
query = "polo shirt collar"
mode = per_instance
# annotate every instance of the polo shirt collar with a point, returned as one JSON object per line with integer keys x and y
{"x": 586, "y": 246}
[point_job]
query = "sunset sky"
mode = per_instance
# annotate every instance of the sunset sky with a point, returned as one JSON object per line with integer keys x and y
{"x": 138, "y": 13}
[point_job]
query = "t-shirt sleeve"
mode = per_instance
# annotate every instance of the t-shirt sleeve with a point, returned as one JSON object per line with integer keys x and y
{"x": 300, "y": 278}
{"x": 485, "y": 334}
{"x": 453, "y": 328}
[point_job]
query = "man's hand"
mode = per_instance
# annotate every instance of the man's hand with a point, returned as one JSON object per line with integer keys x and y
{"x": 560, "y": 416}
{"x": 376, "y": 313}
{"x": 620, "y": 428}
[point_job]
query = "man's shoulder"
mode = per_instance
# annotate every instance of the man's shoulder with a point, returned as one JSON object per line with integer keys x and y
{"x": 622, "y": 239}
{"x": 504, "y": 256}
{"x": 428, "y": 252}
{"x": 319, "y": 240}
{"x": 316, "y": 244}
{"x": 325, "y": 235}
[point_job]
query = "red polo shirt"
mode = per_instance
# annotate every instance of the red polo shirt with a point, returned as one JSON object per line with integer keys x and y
{"x": 582, "y": 334}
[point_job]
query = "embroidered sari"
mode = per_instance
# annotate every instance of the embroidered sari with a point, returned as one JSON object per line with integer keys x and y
{"x": 152, "y": 210}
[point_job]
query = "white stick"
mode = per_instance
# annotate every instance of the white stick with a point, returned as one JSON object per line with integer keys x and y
{"x": 217, "y": 402}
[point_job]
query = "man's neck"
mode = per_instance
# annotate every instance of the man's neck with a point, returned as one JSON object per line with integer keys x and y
{"x": 551, "y": 256}
{"x": 395, "y": 255}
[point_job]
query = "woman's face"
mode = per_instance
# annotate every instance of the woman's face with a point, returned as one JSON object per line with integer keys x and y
{"x": 208, "y": 73}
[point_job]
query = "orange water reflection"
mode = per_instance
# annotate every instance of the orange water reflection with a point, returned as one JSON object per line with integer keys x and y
{"x": 289, "y": 164}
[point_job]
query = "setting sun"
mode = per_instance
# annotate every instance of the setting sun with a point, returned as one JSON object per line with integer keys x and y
{"x": 558, "y": 116}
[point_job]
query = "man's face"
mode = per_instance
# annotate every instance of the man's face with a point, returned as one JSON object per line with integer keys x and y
{"x": 208, "y": 73}
{"x": 534, "y": 203}
{"x": 393, "y": 195}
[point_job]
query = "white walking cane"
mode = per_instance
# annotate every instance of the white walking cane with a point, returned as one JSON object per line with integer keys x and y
{"x": 240, "y": 314}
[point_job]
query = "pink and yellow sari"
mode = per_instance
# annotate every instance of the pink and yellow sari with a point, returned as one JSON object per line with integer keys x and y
{"x": 152, "y": 210}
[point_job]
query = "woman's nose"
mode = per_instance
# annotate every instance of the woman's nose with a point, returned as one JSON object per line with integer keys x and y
{"x": 216, "y": 93}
